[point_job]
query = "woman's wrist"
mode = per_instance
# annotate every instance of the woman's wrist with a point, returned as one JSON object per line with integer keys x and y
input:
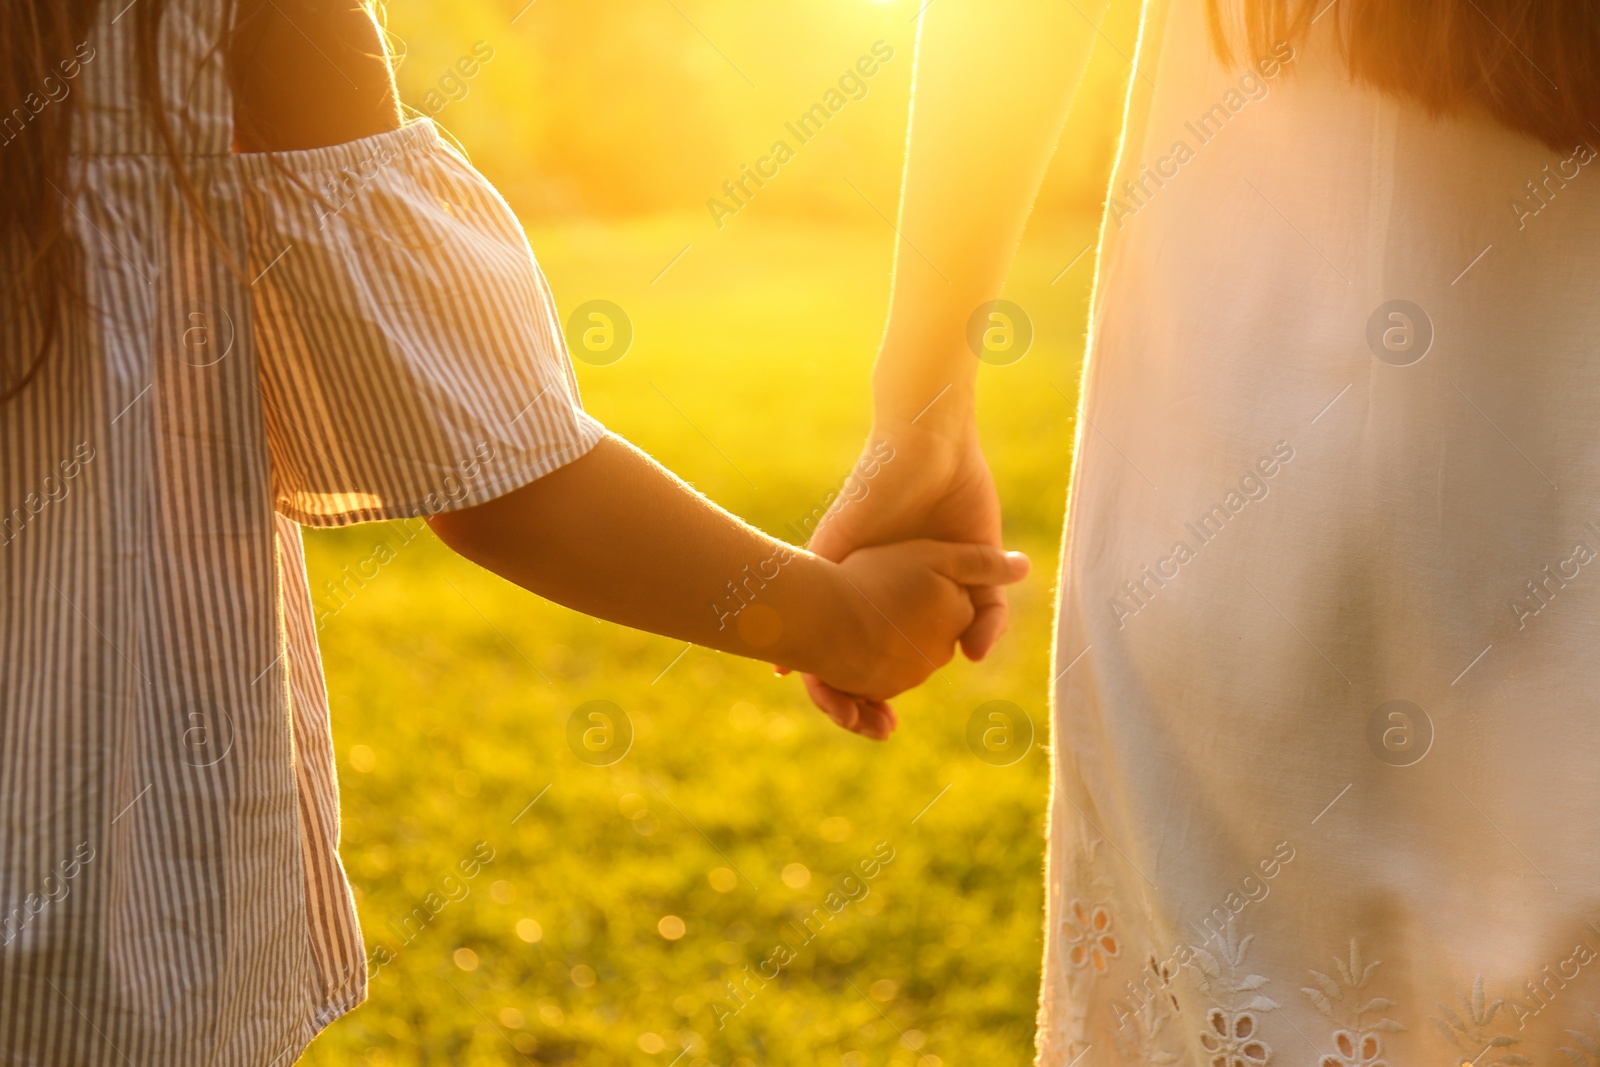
{"x": 942, "y": 403}
{"x": 923, "y": 382}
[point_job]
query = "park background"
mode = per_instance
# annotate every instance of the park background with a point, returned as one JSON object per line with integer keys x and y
{"x": 597, "y": 914}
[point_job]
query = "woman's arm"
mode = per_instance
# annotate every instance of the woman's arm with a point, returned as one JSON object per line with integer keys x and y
{"x": 993, "y": 83}
{"x": 615, "y": 535}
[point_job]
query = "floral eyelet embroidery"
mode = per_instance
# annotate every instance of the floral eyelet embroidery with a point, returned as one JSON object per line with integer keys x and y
{"x": 1084, "y": 949}
{"x": 1231, "y": 1036}
{"x": 1142, "y": 1036}
{"x": 1087, "y": 932}
{"x": 1588, "y": 1050}
{"x": 1355, "y": 1050}
{"x": 1230, "y": 1040}
{"x": 1479, "y": 1041}
{"x": 1164, "y": 973}
{"x": 1357, "y": 1042}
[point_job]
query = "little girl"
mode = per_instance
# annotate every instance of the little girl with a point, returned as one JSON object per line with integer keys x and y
{"x": 220, "y": 354}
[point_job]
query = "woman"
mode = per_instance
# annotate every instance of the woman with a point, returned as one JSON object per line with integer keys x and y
{"x": 1325, "y": 749}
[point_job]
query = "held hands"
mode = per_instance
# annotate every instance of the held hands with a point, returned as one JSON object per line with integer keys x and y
{"x": 911, "y": 602}
{"x": 935, "y": 484}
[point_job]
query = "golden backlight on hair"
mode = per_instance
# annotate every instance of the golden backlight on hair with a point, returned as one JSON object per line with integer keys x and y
{"x": 1534, "y": 65}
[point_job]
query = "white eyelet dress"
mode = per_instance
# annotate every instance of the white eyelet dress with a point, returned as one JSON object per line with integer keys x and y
{"x": 170, "y": 889}
{"x": 1325, "y": 725}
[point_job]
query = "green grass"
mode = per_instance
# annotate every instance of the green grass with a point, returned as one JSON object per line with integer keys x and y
{"x": 451, "y": 692}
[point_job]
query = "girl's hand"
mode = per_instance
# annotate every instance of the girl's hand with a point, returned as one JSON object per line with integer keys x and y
{"x": 935, "y": 485}
{"x": 915, "y": 482}
{"x": 913, "y": 603}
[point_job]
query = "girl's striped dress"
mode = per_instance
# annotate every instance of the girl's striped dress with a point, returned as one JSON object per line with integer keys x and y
{"x": 365, "y": 336}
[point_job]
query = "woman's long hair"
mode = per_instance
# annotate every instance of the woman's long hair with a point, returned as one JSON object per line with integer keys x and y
{"x": 1532, "y": 64}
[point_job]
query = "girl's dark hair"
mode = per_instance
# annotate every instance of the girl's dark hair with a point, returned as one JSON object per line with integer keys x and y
{"x": 43, "y": 46}
{"x": 1532, "y": 64}
{"x": 38, "y": 104}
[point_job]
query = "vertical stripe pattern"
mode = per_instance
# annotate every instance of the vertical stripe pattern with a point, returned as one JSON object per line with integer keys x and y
{"x": 170, "y": 888}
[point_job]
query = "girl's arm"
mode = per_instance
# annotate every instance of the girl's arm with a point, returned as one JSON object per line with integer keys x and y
{"x": 306, "y": 75}
{"x": 615, "y": 535}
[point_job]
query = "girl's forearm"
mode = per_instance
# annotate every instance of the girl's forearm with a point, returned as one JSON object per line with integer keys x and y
{"x": 615, "y": 535}
{"x": 994, "y": 80}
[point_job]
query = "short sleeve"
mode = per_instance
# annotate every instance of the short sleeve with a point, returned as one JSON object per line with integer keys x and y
{"x": 410, "y": 356}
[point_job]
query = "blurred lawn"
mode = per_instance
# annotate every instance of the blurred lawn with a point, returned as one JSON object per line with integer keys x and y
{"x": 459, "y": 687}
{"x": 738, "y": 808}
